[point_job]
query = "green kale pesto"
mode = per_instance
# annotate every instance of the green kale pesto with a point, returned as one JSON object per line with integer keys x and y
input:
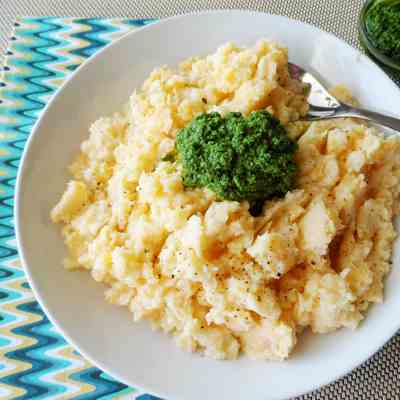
{"x": 382, "y": 23}
{"x": 239, "y": 158}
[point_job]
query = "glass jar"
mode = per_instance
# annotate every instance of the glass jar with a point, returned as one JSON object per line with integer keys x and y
{"x": 368, "y": 44}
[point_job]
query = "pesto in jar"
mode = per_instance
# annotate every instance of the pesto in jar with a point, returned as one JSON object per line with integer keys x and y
{"x": 382, "y": 23}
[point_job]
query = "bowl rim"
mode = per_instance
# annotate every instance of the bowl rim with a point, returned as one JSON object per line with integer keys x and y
{"x": 363, "y": 357}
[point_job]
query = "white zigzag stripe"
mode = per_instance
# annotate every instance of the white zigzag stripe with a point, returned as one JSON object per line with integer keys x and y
{"x": 12, "y": 242}
{"x": 4, "y": 392}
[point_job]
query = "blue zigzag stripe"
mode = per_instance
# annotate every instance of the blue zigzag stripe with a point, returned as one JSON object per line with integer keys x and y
{"x": 105, "y": 386}
{"x": 139, "y": 22}
{"x": 147, "y": 397}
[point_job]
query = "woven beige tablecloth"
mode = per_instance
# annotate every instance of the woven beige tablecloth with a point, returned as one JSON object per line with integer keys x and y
{"x": 378, "y": 378}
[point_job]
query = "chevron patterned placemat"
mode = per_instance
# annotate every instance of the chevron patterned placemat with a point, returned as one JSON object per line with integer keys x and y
{"x": 35, "y": 360}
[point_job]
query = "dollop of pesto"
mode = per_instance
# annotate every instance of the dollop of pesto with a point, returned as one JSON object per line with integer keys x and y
{"x": 237, "y": 157}
{"x": 382, "y": 22}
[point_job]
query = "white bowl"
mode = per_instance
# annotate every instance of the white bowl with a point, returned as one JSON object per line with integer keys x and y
{"x": 105, "y": 334}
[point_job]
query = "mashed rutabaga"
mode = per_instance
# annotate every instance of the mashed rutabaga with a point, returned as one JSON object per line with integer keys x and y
{"x": 218, "y": 279}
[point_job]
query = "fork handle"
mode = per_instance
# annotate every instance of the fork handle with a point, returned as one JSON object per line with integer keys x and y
{"x": 382, "y": 119}
{"x": 345, "y": 110}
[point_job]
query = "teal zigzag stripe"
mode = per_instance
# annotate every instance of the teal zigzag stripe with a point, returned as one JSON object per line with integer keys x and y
{"x": 39, "y": 45}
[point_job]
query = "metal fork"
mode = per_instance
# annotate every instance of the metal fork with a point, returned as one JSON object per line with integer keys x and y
{"x": 324, "y": 106}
